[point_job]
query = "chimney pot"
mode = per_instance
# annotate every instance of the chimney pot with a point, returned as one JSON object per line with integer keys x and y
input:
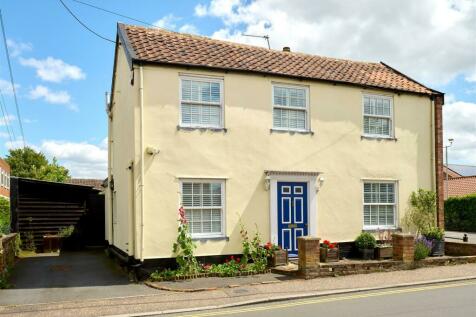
{"x": 286, "y": 49}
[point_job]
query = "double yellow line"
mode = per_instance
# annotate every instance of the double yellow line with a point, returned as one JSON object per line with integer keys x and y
{"x": 331, "y": 299}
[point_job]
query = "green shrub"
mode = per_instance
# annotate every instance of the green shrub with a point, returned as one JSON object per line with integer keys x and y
{"x": 66, "y": 231}
{"x": 365, "y": 241}
{"x": 421, "y": 214}
{"x": 434, "y": 233}
{"x": 28, "y": 241}
{"x": 4, "y": 216}
{"x": 460, "y": 213}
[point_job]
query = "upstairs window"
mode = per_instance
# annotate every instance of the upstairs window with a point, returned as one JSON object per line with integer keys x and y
{"x": 201, "y": 102}
{"x": 378, "y": 116}
{"x": 290, "y": 108}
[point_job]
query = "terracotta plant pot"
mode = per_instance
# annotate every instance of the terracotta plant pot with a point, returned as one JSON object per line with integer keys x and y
{"x": 384, "y": 252}
{"x": 329, "y": 255}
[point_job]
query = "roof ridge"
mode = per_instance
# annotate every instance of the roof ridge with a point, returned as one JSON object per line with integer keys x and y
{"x": 243, "y": 45}
{"x": 460, "y": 177}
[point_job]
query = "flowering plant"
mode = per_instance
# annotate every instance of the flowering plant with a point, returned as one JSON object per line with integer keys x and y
{"x": 184, "y": 246}
{"x": 328, "y": 245}
{"x": 422, "y": 248}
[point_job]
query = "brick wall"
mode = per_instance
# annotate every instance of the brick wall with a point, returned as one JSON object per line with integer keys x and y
{"x": 403, "y": 247}
{"x": 309, "y": 249}
{"x": 4, "y": 189}
{"x": 460, "y": 248}
{"x": 7, "y": 252}
{"x": 440, "y": 216}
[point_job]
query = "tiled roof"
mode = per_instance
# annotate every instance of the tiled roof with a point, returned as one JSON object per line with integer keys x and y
{"x": 95, "y": 183}
{"x": 161, "y": 46}
{"x": 461, "y": 186}
{"x": 450, "y": 172}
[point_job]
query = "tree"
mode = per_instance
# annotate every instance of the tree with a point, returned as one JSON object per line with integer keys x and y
{"x": 27, "y": 162}
{"x": 4, "y": 216}
{"x": 421, "y": 215}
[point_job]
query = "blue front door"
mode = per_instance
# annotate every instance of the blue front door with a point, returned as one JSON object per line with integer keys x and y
{"x": 292, "y": 214}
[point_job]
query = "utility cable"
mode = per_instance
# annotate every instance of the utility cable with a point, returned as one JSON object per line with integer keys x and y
{"x": 114, "y": 13}
{"x": 84, "y": 25}
{"x": 3, "y": 106}
{"x": 12, "y": 81}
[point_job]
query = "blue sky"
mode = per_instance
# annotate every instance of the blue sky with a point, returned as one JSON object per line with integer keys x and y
{"x": 62, "y": 71}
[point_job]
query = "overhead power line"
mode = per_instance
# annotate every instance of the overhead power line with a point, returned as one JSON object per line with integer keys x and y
{"x": 84, "y": 25}
{"x": 5, "y": 115}
{"x": 114, "y": 13}
{"x": 12, "y": 82}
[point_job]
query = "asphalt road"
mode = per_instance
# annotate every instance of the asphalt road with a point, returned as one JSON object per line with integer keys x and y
{"x": 452, "y": 299}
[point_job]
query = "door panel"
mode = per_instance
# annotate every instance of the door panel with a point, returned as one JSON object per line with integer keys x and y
{"x": 292, "y": 214}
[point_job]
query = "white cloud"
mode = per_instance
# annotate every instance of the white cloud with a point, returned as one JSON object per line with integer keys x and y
{"x": 55, "y": 97}
{"x": 84, "y": 160}
{"x": 7, "y": 119}
{"x": 431, "y": 40}
{"x": 459, "y": 123}
{"x": 53, "y": 70}
{"x": 170, "y": 22}
{"x": 17, "y": 48}
{"x": 6, "y": 87}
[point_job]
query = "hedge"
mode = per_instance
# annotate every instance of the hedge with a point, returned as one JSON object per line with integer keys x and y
{"x": 460, "y": 213}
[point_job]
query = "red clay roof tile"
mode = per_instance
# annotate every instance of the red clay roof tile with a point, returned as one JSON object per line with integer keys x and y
{"x": 160, "y": 46}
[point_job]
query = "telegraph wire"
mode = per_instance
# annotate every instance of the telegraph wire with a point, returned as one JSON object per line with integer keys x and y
{"x": 84, "y": 25}
{"x": 11, "y": 80}
{"x": 5, "y": 117}
{"x": 114, "y": 13}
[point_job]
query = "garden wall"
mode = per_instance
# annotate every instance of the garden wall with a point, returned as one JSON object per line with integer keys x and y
{"x": 460, "y": 248}
{"x": 460, "y": 213}
{"x": 7, "y": 252}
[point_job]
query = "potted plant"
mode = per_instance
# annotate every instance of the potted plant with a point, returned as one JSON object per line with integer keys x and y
{"x": 329, "y": 252}
{"x": 437, "y": 237}
{"x": 53, "y": 242}
{"x": 384, "y": 249}
{"x": 366, "y": 244}
{"x": 276, "y": 255}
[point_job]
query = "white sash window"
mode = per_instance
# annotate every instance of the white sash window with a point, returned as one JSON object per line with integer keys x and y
{"x": 290, "y": 108}
{"x": 379, "y": 205}
{"x": 378, "y": 116}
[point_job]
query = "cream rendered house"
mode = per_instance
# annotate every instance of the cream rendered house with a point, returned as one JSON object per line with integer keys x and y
{"x": 291, "y": 143}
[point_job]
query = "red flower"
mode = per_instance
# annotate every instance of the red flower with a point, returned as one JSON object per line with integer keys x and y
{"x": 332, "y": 246}
{"x": 327, "y": 242}
{"x": 238, "y": 260}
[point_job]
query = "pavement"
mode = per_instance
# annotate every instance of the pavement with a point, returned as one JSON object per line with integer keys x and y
{"x": 159, "y": 301}
{"x": 445, "y": 299}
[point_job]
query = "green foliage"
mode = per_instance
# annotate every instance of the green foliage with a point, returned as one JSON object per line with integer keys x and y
{"x": 365, "y": 240}
{"x": 434, "y": 233}
{"x": 4, "y": 216}
{"x": 421, "y": 214}
{"x": 66, "y": 231}
{"x": 184, "y": 246}
{"x": 245, "y": 244}
{"x": 26, "y": 162}
{"x": 422, "y": 250}
{"x": 28, "y": 241}
{"x": 4, "y": 278}
{"x": 164, "y": 274}
{"x": 253, "y": 249}
{"x": 460, "y": 213}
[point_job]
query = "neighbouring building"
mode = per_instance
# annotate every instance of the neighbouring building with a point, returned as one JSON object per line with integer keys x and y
{"x": 4, "y": 179}
{"x": 463, "y": 170}
{"x": 292, "y": 143}
{"x": 460, "y": 186}
{"x": 449, "y": 173}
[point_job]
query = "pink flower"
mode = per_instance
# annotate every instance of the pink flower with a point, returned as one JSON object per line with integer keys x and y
{"x": 183, "y": 218}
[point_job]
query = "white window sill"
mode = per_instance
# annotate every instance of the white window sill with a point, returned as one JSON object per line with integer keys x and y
{"x": 380, "y": 228}
{"x": 211, "y": 238}
{"x": 274, "y": 130}
{"x": 377, "y": 137}
{"x": 202, "y": 128}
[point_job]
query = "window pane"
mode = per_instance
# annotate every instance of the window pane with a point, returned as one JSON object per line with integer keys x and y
{"x": 186, "y": 90}
{"x": 215, "y": 92}
{"x": 366, "y": 215}
{"x": 195, "y": 106}
{"x": 293, "y": 97}
{"x": 199, "y": 195}
{"x": 379, "y": 204}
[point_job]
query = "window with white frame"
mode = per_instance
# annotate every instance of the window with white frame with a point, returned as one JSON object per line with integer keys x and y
{"x": 201, "y": 102}
{"x": 378, "y": 116}
{"x": 203, "y": 201}
{"x": 290, "y": 108}
{"x": 379, "y": 204}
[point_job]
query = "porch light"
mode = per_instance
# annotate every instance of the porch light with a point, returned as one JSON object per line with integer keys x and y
{"x": 267, "y": 181}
